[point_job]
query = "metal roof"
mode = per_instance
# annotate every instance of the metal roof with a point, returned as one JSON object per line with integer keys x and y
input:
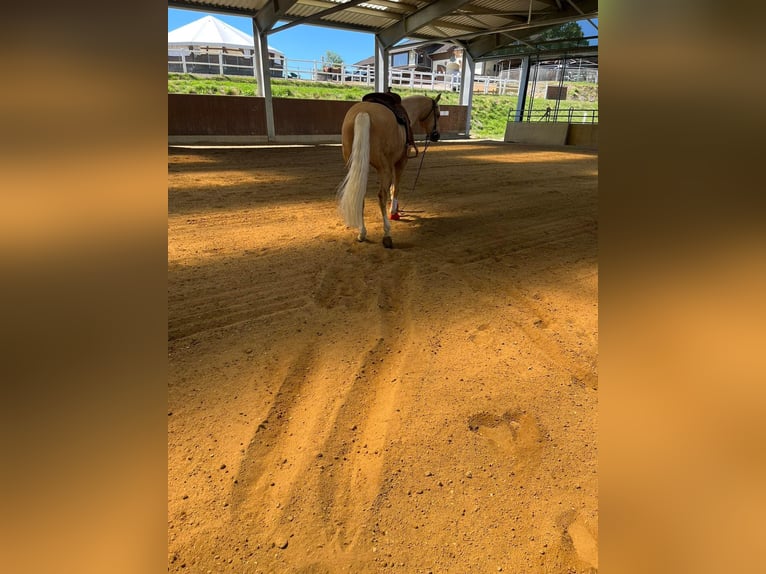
{"x": 485, "y": 28}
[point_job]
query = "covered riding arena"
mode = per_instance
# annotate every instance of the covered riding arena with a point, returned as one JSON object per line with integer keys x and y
{"x": 335, "y": 406}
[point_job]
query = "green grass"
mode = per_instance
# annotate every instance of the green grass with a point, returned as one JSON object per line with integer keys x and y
{"x": 488, "y": 118}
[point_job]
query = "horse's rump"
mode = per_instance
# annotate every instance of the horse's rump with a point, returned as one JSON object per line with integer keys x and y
{"x": 388, "y": 137}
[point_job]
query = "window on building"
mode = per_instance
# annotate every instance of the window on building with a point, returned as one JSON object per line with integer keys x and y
{"x": 400, "y": 59}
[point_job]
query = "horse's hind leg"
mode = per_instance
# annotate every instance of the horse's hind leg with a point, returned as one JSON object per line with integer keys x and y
{"x": 399, "y": 168}
{"x": 383, "y": 191}
{"x": 362, "y": 229}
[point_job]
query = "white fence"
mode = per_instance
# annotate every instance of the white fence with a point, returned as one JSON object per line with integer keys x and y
{"x": 505, "y": 83}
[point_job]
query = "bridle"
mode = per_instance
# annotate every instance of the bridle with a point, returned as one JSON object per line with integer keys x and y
{"x": 433, "y": 112}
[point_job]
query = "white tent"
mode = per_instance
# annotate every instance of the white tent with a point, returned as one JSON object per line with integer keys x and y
{"x": 212, "y": 36}
{"x": 211, "y": 46}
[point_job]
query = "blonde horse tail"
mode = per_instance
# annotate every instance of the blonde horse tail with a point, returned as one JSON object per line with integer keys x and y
{"x": 353, "y": 187}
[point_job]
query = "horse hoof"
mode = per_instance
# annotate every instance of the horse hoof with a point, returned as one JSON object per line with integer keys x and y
{"x": 394, "y": 216}
{"x": 387, "y": 243}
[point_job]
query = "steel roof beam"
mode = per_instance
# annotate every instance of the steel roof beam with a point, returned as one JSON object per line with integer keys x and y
{"x": 319, "y": 15}
{"x": 408, "y": 8}
{"x": 208, "y": 8}
{"x": 391, "y": 35}
{"x": 573, "y": 5}
{"x": 390, "y": 13}
{"x": 547, "y": 55}
{"x": 272, "y": 12}
{"x": 480, "y": 44}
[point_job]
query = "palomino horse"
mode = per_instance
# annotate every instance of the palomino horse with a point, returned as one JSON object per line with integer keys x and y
{"x": 372, "y": 137}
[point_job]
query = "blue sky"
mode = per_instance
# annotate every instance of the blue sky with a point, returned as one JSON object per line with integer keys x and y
{"x": 304, "y": 42}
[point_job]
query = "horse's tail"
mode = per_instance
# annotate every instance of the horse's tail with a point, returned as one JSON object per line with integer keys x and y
{"x": 353, "y": 187}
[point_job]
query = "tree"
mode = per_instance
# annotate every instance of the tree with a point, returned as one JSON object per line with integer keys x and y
{"x": 570, "y": 34}
{"x": 332, "y": 57}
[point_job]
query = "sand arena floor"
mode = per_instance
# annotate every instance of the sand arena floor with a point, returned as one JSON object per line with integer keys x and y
{"x": 335, "y": 406}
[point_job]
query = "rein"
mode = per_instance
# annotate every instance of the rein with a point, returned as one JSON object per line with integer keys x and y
{"x": 422, "y": 157}
{"x": 425, "y": 146}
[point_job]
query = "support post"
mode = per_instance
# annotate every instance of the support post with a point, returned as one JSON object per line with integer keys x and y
{"x": 466, "y": 88}
{"x": 263, "y": 77}
{"x": 523, "y": 82}
{"x": 381, "y": 66}
{"x": 563, "y": 70}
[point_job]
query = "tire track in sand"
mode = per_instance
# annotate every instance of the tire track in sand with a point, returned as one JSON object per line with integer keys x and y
{"x": 327, "y": 426}
{"x": 350, "y": 489}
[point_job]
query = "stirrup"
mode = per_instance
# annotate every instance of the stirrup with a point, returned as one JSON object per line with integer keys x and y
{"x": 413, "y": 147}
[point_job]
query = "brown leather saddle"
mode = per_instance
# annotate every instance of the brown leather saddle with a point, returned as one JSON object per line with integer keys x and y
{"x": 394, "y": 103}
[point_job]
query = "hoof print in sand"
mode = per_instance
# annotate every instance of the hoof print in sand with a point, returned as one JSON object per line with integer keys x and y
{"x": 515, "y": 433}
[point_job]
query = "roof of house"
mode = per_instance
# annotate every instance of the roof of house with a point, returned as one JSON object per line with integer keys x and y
{"x": 430, "y": 49}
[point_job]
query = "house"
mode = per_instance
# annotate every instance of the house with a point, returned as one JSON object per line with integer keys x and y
{"x": 442, "y": 58}
{"x": 211, "y": 46}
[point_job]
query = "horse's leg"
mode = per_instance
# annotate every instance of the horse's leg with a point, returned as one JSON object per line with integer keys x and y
{"x": 393, "y": 212}
{"x": 362, "y": 229}
{"x": 398, "y": 170}
{"x": 383, "y": 191}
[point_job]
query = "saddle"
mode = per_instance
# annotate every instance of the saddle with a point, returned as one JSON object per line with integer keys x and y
{"x": 394, "y": 103}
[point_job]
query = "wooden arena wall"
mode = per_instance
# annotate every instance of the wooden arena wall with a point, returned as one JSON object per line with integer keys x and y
{"x": 553, "y": 133}
{"x": 242, "y": 118}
